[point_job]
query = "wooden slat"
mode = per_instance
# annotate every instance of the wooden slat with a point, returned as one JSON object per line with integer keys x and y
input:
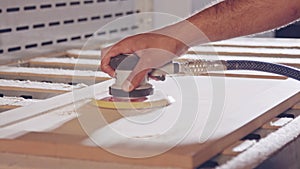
{"x": 245, "y": 51}
{"x": 37, "y": 86}
{"x": 23, "y": 161}
{"x": 297, "y": 106}
{"x": 66, "y": 63}
{"x": 14, "y": 102}
{"x": 294, "y": 62}
{"x": 231, "y": 149}
{"x": 53, "y": 75}
{"x": 269, "y": 125}
{"x": 260, "y": 42}
{"x": 28, "y": 89}
{"x": 84, "y": 54}
{"x": 245, "y": 74}
{"x": 283, "y": 142}
{"x": 70, "y": 148}
{"x": 32, "y": 86}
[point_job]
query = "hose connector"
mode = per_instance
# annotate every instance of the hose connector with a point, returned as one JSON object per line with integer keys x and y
{"x": 200, "y": 67}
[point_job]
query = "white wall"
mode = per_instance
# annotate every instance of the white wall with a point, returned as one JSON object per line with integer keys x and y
{"x": 178, "y": 8}
{"x": 171, "y": 11}
{"x": 182, "y": 9}
{"x": 198, "y": 5}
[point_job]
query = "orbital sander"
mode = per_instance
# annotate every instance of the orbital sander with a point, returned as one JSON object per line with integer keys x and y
{"x": 144, "y": 96}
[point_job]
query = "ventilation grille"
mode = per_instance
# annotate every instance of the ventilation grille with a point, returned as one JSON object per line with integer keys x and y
{"x": 30, "y": 24}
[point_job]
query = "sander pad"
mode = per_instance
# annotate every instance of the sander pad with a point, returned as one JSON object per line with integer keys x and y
{"x": 154, "y": 101}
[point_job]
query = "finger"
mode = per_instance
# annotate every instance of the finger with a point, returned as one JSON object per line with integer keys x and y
{"x": 104, "y": 51}
{"x": 134, "y": 80}
{"x": 105, "y": 67}
{"x": 107, "y": 54}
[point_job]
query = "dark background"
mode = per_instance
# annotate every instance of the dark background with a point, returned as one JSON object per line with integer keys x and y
{"x": 291, "y": 31}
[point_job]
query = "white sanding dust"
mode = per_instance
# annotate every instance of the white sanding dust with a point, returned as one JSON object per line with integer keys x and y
{"x": 49, "y": 71}
{"x": 244, "y": 146}
{"x": 16, "y": 101}
{"x": 95, "y": 53}
{"x": 281, "y": 122}
{"x": 39, "y": 85}
{"x": 265, "y": 147}
{"x": 67, "y": 60}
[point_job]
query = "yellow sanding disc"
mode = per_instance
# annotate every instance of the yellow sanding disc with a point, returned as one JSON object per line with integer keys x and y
{"x": 141, "y": 103}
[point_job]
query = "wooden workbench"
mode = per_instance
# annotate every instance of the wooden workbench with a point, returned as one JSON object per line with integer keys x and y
{"x": 210, "y": 115}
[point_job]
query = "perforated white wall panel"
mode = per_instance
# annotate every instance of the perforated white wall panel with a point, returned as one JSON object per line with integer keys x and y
{"x": 30, "y": 24}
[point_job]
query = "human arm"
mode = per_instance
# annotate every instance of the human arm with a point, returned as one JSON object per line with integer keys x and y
{"x": 227, "y": 19}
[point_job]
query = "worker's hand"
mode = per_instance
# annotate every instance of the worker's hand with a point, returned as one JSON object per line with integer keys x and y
{"x": 154, "y": 51}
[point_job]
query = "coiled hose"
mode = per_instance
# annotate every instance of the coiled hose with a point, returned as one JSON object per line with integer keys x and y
{"x": 198, "y": 67}
{"x": 264, "y": 67}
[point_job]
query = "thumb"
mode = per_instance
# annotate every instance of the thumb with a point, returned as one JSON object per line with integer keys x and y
{"x": 134, "y": 79}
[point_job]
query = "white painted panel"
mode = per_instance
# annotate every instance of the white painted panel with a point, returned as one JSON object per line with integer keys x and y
{"x": 175, "y": 8}
{"x": 33, "y": 24}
